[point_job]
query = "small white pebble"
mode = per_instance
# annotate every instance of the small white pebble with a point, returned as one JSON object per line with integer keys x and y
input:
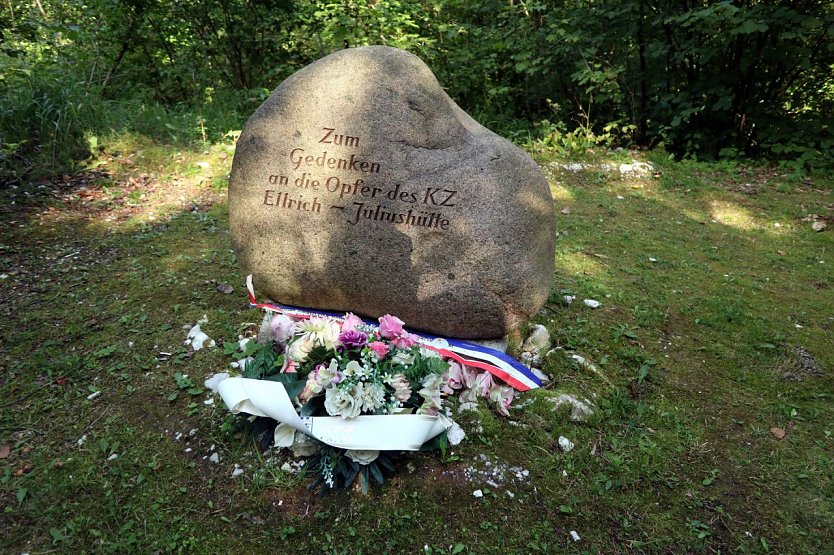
{"x": 574, "y": 536}
{"x": 112, "y": 457}
{"x": 237, "y": 471}
{"x": 82, "y": 440}
{"x": 478, "y": 493}
{"x": 188, "y": 450}
{"x": 209, "y": 401}
{"x": 565, "y": 444}
{"x": 510, "y": 494}
{"x": 652, "y": 259}
{"x": 93, "y": 395}
{"x": 591, "y": 303}
{"x": 215, "y": 458}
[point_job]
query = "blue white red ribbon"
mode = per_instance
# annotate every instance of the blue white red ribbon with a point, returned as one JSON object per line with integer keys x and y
{"x": 466, "y": 353}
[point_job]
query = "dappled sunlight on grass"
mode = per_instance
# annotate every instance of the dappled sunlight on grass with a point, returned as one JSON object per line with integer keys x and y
{"x": 579, "y": 263}
{"x": 560, "y": 193}
{"x": 733, "y": 215}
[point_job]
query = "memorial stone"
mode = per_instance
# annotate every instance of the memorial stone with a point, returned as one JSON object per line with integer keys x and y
{"x": 359, "y": 185}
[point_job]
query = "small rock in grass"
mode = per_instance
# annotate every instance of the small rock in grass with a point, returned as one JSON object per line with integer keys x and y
{"x": 574, "y": 536}
{"x": 818, "y": 226}
{"x": 225, "y": 288}
{"x": 565, "y": 444}
{"x": 537, "y": 341}
{"x": 237, "y": 471}
{"x": 592, "y": 303}
{"x": 82, "y": 440}
{"x": 478, "y": 493}
{"x": 455, "y": 434}
{"x": 209, "y": 401}
{"x": 652, "y": 259}
{"x": 580, "y": 408}
{"x": 569, "y": 298}
{"x": 215, "y": 458}
{"x": 93, "y": 395}
{"x": 112, "y": 457}
{"x": 778, "y": 433}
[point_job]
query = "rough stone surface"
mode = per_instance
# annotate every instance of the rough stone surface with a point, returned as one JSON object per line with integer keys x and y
{"x": 359, "y": 185}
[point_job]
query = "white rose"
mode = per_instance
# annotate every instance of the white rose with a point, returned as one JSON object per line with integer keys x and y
{"x": 346, "y": 403}
{"x": 300, "y": 349}
{"x": 362, "y": 456}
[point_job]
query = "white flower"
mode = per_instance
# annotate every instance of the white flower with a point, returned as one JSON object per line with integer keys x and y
{"x": 403, "y": 358}
{"x": 362, "y": 456}
{"x": 353, "y": 368}
{"x": 429, "y": 353}
{"x": 284, "y": 435}
{"x": 346, "y": 402}
{"x": 300, "y": 349}
{"x": 322, "y": 331}
{"x": 373, "y": 397}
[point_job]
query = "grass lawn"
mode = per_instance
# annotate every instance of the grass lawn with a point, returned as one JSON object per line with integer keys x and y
{"x": 714, "y": 389}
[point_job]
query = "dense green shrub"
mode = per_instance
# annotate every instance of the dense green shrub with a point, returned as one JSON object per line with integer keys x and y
{"x": 701, "y": 78}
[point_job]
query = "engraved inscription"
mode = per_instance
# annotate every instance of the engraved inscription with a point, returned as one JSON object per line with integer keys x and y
{"x": 354, "y": 193}
{"x": 332, "y": 138}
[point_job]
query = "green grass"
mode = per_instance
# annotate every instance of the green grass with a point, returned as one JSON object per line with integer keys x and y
{"x": 695, "y": 348}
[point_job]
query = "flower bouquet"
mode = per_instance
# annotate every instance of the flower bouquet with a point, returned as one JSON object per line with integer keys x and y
{"x": 352, "y": 394}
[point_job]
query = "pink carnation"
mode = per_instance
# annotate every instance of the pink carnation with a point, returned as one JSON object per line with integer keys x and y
{"x": 390, "y": 327}
{"x": 350, "y": 322}
{"x": 380, "y": 348}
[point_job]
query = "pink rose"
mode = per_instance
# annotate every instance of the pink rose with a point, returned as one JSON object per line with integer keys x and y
{"x": 350, "y": 322}
{"x": 380, "y": 348}
{"x": 404, "y": 341}
{"x": 282, "y": 327}
{"x": 390, "y": 327}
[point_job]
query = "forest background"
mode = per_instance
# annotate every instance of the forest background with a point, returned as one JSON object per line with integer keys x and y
{"x": 698, "y": 79}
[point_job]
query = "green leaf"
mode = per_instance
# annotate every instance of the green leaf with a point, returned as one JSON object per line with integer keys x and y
{"x": 195, "y": 391}
{"x": 173, "y": 396}
{"x": 313, "y": 406}
{"x": 377, "y": 474}
{"x": 56, "y": 534}
{"x": 21, "y": 495}
{"x": 458, "y": 549}
{"x": 291, "y": 383}
{"x": 566, "y": 509}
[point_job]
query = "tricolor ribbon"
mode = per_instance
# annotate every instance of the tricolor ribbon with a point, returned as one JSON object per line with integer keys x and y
{"x": 495, "y": 362}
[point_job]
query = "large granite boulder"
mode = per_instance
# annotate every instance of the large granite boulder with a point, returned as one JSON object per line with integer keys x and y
{"x": 359, "y": 185}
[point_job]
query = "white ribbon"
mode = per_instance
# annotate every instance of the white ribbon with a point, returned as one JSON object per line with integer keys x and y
{"x": 396, "y": 432}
